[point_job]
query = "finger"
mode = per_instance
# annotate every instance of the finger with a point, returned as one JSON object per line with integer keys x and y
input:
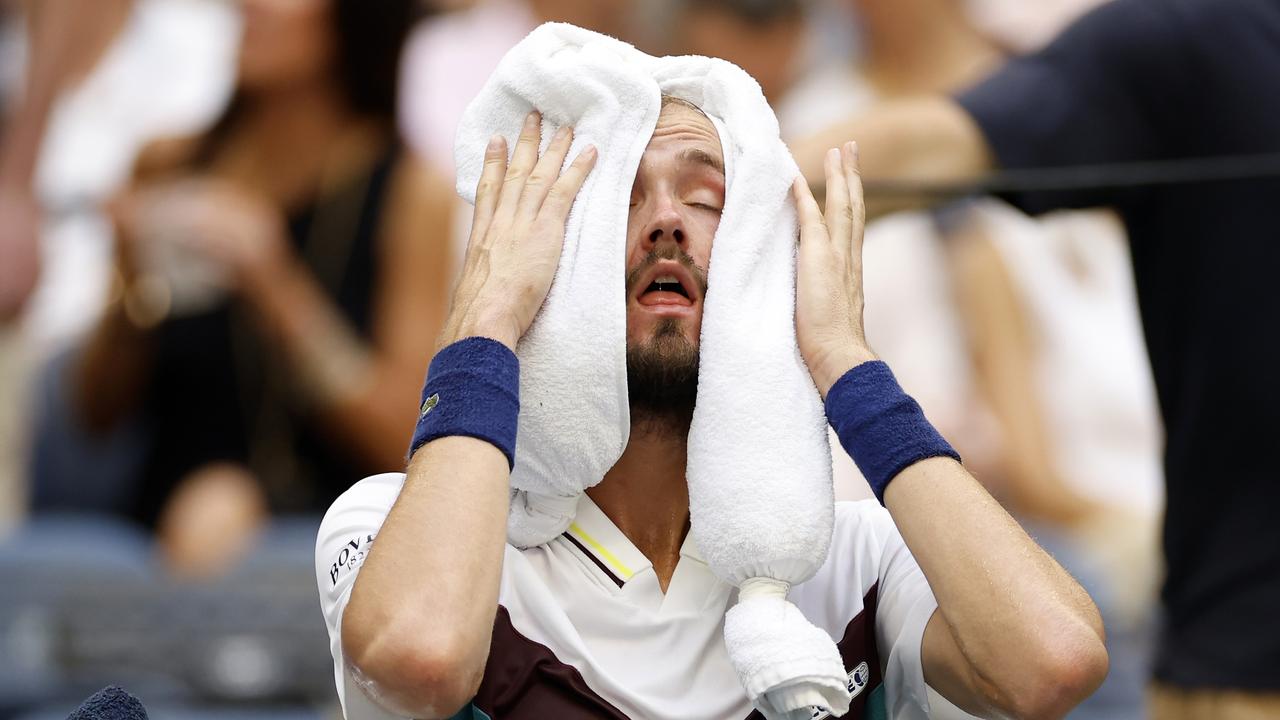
{"x": 857, "y": 204}
{"x": 489, "y": 186}
{"x": 522, "y": 161}
{"x": 808, "y": 214}
{"x": 839, "y": 215}
{"x": 545, "y": 173}
{"x": 561, "y": 195}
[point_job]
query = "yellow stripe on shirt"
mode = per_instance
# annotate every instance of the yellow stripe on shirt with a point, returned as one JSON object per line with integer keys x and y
{"x": 604, "y": 553}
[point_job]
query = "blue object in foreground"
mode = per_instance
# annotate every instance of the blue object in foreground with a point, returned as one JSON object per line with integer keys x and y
{"x": 110, "y": 703}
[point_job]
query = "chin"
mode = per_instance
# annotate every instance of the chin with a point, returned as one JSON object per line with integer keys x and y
{"x": 667, "y": 333}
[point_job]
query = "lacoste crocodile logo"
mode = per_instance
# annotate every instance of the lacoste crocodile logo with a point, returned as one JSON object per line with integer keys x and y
{"x": 429, "y": 404}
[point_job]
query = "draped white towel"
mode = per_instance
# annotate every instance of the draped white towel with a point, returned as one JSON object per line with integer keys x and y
{"x": 759, "y": 468}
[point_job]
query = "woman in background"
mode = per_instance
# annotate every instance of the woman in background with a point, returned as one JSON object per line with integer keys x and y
{"x": 281, "y": 280}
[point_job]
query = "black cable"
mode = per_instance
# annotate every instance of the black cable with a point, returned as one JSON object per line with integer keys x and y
{"x": 1056, "y": 179}
{"x": 1090, "y": 177}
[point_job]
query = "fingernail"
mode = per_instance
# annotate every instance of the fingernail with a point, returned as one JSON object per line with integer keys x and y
{"x": 562, "y": 133}
{"x": 495, "y": 143}
{"x": 531, "y": 120}
{"x": 590, "y": 151}
{"x": 853, "y": 150}
{"x": 833, "y": 155}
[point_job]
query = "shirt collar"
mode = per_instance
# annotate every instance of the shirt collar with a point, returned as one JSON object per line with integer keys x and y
{"x": 597, "y": 534}
{"x": 689, "y": 549}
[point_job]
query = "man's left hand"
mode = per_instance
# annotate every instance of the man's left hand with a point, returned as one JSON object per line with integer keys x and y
{"x": 829, "y": 298}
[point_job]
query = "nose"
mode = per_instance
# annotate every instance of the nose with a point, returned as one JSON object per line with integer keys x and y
{"x": 666, "y": 223}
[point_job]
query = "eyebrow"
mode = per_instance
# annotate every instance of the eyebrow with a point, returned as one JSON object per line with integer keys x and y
{"x": 702, "y": 157}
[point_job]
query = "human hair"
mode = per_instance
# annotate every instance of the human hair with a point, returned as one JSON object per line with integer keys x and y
{"x": 370, "y": 38}
{"x": 673, "y": 100}
{"x": 753, "y": 12}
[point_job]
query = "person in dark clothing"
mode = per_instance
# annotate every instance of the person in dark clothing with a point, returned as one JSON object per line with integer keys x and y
{"x": 281, "y": 283}
{"x": 1189, "y": 82}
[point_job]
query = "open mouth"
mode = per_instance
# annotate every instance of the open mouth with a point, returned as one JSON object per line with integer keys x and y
{"x": 670, "y": 285}
{"x": 667, "y": 284}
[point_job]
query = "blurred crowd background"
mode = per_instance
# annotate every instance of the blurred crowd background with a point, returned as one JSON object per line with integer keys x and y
{"x": 228, "y": 233}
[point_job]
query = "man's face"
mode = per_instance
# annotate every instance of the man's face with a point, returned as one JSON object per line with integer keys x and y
{"x": 676, "y": 203}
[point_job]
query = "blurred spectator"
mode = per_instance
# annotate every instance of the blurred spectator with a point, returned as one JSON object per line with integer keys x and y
{"x": 1186, "y": 90}
{"x": 280, "y": 283}
{"x": 88, "y": 104}
{"x": 1021, "y": 26}
{"x": 764, "y": 37}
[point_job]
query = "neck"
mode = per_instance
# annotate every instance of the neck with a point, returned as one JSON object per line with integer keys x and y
{"x": 646, "y": 495}
{"x": 296, "y": 116}
{"x": 922, "y": 46}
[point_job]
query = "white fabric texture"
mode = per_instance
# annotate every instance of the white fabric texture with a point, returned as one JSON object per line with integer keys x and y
{"x": 759, "y": 472}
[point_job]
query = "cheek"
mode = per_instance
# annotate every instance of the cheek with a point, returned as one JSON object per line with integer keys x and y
{"x": 695, "y": 327}
{"x": 639, "y": 325}
{"x": 706, "y": 233}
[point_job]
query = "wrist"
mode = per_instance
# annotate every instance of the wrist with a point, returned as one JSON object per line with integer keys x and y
{"x": 882, "y": 428}
{"x": 831, "y": 365}
{"x": 472, "y": 389}
{"x": 485, "y": 323}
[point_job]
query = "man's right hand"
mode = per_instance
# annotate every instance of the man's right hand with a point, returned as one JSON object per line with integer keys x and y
{"x": 417, "y": 630}
{"x": 517, "y": 234}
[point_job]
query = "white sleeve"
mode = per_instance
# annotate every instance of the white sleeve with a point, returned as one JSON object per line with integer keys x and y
{"x": 346, "y": 533}
{"x": 905, "y": 604}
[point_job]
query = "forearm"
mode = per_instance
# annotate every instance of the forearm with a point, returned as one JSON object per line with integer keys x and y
{"x": 1029, "y": 632}
{"x": 1021, "y": 637}
{"x": 64, "y": 38}
{"x": 421, "y": 611}
{"x": 365, "y": 401}
{"x": 924, "y": 139}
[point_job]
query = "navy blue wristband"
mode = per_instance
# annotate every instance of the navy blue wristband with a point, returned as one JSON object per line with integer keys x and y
{"x": 472, "y": 389}
{"x": 881, "y": 427}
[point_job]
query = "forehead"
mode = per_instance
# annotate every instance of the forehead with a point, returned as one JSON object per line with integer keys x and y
{"x": 681, "y": 126}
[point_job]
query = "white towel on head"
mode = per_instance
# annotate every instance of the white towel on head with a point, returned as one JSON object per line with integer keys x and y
{"x": 759, "y": 470}
{"x": 574, "y": 418}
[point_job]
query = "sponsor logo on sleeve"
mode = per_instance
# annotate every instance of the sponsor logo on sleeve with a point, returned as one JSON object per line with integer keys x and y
{"x": 858, "y": 678}
{"x": 350, "y": 557}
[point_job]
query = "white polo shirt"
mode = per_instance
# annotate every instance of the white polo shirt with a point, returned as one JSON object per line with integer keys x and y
{"x": 583, "y": 629}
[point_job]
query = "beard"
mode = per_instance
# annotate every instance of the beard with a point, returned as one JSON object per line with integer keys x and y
{"x": 662, "y": 380}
